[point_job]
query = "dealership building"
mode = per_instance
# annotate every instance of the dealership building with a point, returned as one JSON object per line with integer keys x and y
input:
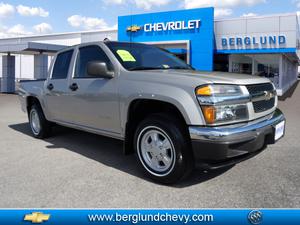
{"x": 266, "y": 46}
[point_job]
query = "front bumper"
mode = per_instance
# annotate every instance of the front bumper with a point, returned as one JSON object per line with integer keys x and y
{"x": 216, "y": 147}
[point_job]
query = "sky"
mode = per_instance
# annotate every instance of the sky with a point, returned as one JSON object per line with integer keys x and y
{"x": 33, "y": 17}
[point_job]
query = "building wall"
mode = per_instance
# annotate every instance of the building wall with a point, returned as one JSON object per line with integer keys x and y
{"x": 24, "y": 66}
{"x": 24, "y": 71}
{"x": 266, "y": 42}
{"x": 257, "y": 29}
{"x": 290, "y": 71}
{"x": 99, "y": 36}
{"x": 64, "y": 39}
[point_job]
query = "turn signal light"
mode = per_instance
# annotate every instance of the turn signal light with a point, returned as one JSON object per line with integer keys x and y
{"x": 209, "y": 113}
{"x": 204, "y": 91}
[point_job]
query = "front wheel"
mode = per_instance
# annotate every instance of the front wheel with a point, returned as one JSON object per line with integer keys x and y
{"x": 163, "y": 149}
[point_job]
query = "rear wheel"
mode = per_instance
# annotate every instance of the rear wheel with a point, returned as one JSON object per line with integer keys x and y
{"x": 40, "y": 127}
{"x": 163, "y": 149}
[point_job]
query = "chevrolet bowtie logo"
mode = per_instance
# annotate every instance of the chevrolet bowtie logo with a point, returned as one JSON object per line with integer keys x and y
{"x": 37, "y": 217}
{"x": 133, "y": 28}
{"x": 269, "y": 95}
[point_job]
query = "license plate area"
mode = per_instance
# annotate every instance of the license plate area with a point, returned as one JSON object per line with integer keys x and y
{"x": 279, "y": 131}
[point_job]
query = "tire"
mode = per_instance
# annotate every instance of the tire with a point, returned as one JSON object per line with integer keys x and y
{"x": 163, "y": 149}
{"x": 40, "y": 127}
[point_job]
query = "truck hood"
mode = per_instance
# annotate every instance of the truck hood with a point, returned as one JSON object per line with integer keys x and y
{"x": 195, "y": 78}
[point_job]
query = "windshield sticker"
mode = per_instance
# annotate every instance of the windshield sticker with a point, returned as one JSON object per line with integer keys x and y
{"x": 126, "y": 56}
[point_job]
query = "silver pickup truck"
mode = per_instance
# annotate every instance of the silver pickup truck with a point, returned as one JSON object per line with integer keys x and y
{"x": 173, "y": 117}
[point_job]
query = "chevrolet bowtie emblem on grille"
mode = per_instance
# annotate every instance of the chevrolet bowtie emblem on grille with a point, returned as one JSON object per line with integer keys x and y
{"x": 269, "y": 95}
{"x": 133, "y": 28}
{"x": 37, "y": 217}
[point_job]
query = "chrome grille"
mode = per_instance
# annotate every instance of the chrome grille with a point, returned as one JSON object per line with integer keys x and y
{"x": 260, "y": 96}
{"x": 259, "y": 88}
{"x": 264, "y": 105}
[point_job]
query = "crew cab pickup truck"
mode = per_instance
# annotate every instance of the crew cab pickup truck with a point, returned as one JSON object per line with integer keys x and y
{"x": 171, "y": 116}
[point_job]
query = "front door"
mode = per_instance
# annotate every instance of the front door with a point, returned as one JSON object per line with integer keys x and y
{"x": 93, "y": 102}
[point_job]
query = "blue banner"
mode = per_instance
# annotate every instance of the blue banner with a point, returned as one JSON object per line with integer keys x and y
{"x": 138, "y": 216}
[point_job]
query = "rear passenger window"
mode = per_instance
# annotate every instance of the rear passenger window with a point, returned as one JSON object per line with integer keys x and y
{"x": 62, "y": 64}
{"x": 89, "y": 54}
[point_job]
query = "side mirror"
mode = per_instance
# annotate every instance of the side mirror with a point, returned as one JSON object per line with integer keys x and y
{"x": 99, "y": 69}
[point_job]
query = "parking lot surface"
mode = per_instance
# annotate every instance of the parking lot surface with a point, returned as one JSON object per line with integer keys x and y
{"x": 78, "y": 169}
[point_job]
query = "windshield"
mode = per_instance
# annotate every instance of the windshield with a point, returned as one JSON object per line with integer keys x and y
{"x": 135, "y": 56}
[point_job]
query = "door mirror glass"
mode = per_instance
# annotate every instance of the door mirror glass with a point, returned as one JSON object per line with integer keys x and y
{"x": 99, "y": 69}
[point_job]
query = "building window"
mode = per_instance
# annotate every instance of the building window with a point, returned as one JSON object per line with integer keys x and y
{"x": 241, "y": 64}
{"x": 267, "y": 65}
{"x": 221, "y": 62}
{"x": 263, "y": 65}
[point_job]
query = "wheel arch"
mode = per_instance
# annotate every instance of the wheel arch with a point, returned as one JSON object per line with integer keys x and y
{"x": 30, "y": 101}
{"x": 139, "y": 109}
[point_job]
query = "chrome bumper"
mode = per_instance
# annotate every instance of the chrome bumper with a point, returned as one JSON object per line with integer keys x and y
{"x": 236, "y": 133}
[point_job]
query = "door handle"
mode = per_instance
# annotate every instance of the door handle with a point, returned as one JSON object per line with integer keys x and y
{"x": 50, "y": 87}
{"x": 73, "y": 87}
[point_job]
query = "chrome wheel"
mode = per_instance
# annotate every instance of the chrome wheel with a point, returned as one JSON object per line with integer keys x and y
{"x": 35, "y": 122}
{"x": 156, "y": 151}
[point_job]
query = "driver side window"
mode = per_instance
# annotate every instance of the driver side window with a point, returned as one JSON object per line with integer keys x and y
{"x": 86, "y": 55}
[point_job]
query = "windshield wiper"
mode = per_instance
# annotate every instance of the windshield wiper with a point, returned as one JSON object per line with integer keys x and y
{"x": 144, "y": 68}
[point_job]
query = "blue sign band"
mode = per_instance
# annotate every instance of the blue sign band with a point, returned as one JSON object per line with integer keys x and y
{"x": 257, "y": 51}
{"x": 120, "y": 216}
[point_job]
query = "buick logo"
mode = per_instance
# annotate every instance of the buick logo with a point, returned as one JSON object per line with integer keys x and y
{"x": 255, "y": 217}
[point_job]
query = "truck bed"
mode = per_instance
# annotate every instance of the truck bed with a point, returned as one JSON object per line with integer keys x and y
{"x": 27, "y": 88}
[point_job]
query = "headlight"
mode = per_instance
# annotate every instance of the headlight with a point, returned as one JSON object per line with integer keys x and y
{"x": 218, "y": 90}
{"x": 225, "y": 113}
{"x": 222, "y": 104}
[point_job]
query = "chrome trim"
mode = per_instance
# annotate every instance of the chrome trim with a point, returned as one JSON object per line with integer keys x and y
{"x": 238, "y": 99}
{"x": 236, "y": 134}
{"x": 263, "y": 96}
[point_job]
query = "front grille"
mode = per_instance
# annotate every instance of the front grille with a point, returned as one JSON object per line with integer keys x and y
{"x": 259, "y": 90}
{"x": 264, "y": 105}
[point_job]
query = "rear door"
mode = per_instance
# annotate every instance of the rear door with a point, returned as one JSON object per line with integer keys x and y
{"x": 57, "y": 87}
{"x": 94, "y": 102}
